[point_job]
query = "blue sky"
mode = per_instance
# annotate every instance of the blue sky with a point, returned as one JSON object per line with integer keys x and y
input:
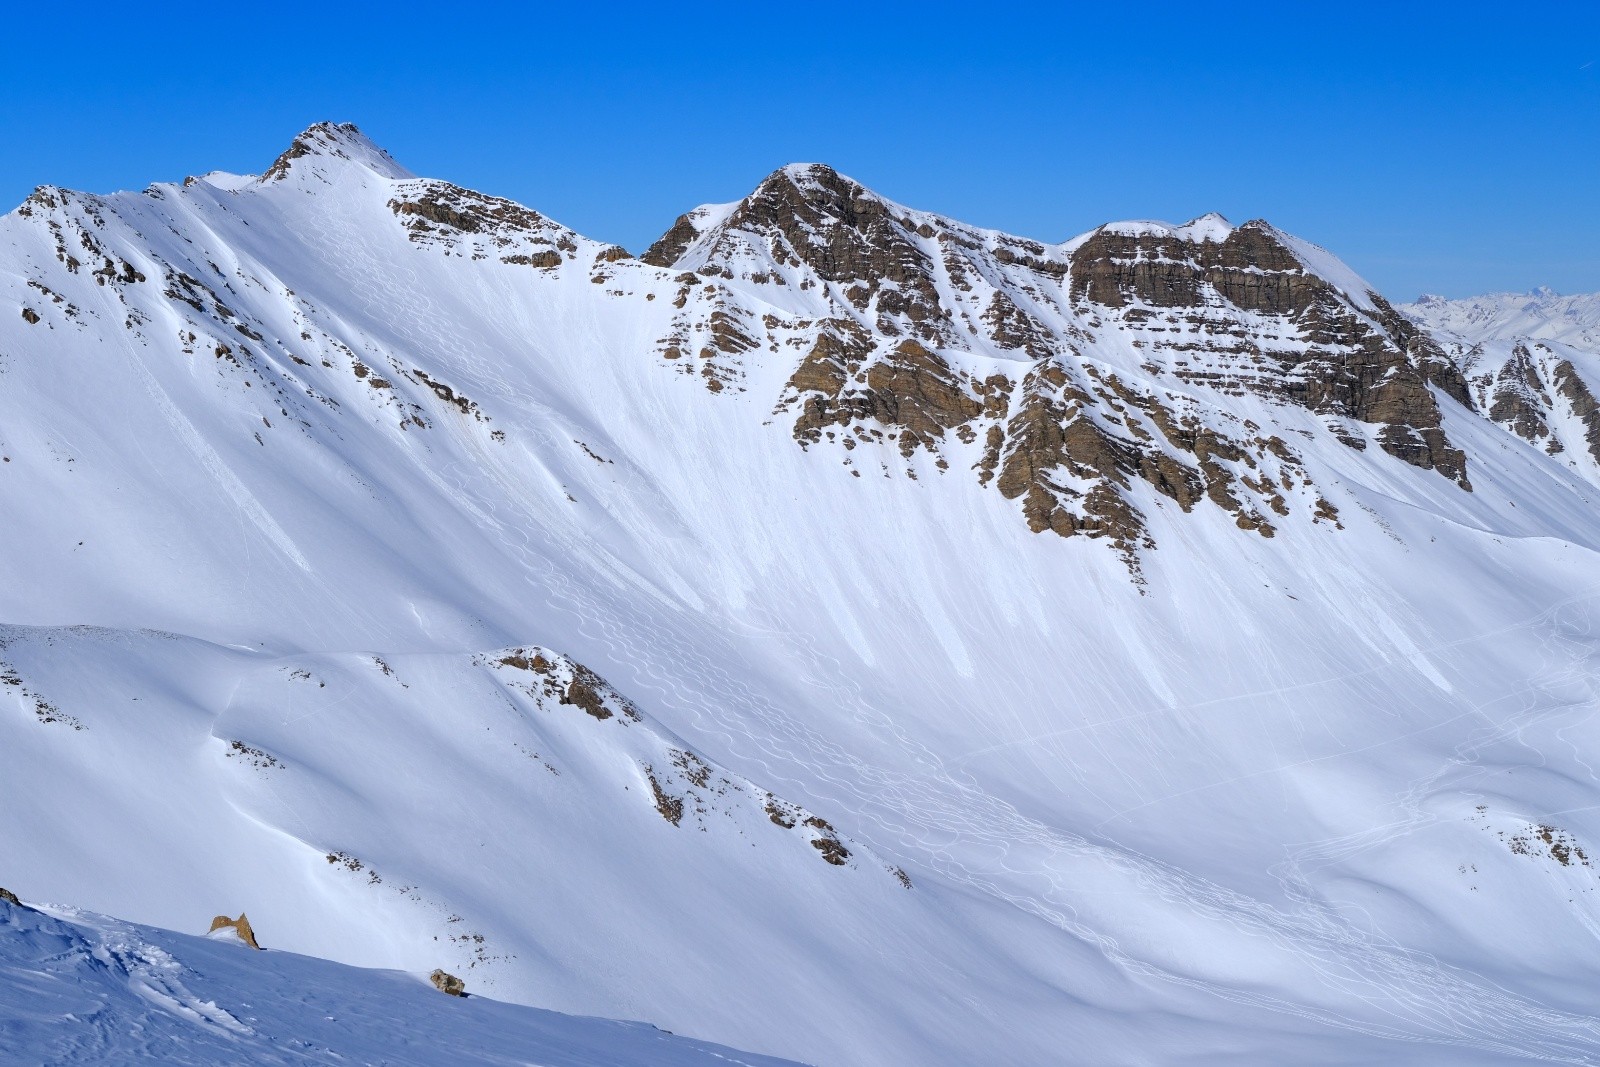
{"x": 1451, "y": 148}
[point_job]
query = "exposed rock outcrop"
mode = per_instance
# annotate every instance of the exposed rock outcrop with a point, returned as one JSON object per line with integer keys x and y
{"x": 476, "y": 226}
{"x": 844, "y": 236}
{"x": 846, "y": 379}
{"x": 934, "y": 336}
{"x": 671, "y": 245}
{"x": 1571, "y": 387}
{"x": 1246, "y": 313}
{"x": 684, "y": 788}
{"x": 240, "y": 926}
{"x": 1535, "y": 390}
{"x": 448, "y": 983}
{"x": 1520, "y": 400}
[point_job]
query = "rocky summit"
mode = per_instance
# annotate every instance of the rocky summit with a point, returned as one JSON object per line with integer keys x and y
{"x": 838, "y": 632}
{"x": 1070, "y": 370}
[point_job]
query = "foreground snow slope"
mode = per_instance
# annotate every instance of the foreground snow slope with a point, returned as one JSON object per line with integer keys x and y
{"x": 840, "y": 632}
{"x": 76, "y": 987}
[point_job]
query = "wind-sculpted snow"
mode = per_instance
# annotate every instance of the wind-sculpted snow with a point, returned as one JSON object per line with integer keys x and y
{"x": 692, "y": 642}
{"x": 82, "y": 988}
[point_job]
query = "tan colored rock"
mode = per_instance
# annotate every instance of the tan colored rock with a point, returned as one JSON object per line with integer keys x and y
{"x": 241, "y": 926}
{"x": 909, "y": 389}
{"x": 448, "y": 983}
{"x": 11, "y": 898}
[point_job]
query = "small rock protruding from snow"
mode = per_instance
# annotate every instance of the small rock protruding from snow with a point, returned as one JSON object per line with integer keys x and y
{"x": 240, "y": 928}
{"x": 445, "y": 982}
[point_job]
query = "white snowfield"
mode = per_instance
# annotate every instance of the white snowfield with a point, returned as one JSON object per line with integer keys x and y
{"x": 369, "y": 567}
{"x": 82, "y": 988}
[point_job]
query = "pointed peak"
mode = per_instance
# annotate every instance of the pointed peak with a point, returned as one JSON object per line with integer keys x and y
{"x": 1211, "y": 226}
{"x": 336, "y": 143}
{"x": 685, "y": 231}
{"x": 815, "y": 182}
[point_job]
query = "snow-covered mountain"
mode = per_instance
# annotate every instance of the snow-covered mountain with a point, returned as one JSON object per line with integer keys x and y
{"x": 839, "y": 633}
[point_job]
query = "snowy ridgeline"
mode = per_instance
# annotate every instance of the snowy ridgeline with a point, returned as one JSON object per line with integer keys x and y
{"x": 838, "y": 632}
{"x": 81, "y": 988}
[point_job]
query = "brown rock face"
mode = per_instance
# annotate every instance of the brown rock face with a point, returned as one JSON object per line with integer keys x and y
{"x": 1307, "y": 344}
{"x": 938, "y": 337}
{"x": 1074, "y": 447}
{"x": 430, "y": 207}
{"x": 1569, "y": 385}
{"x": 1067, "y": 470}
{"x": 813, "y": 217}
{"x": 298, "y": 148}
{"x": 11, "y": 898}
{"x": 241, "y": 926}
{"x": 1537, "y": 395}
{"x": 1014, "y": 329}
{"x": 570, "y": 683}
{"x": 1520, "y": 400}
{"x": 672, "y": 244}
{"x": 845, "y": 380}
{"x": 448, "y": 983}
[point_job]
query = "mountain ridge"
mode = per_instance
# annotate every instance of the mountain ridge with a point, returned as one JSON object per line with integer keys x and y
{"x": 886, "y": 270}
{"x": 299, "y": 464}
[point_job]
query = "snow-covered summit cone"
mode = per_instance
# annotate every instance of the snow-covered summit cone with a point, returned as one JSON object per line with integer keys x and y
{"x": 325, "y": 149}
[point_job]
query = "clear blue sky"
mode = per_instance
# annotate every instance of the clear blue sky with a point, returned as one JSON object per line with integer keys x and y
{"x": 1451, "y": 148}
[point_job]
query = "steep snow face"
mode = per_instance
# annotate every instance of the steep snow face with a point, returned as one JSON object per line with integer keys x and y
{"x": 1532, "y": 361}
{"x": 338, "y": 506}
{"x": 76, "y": 987}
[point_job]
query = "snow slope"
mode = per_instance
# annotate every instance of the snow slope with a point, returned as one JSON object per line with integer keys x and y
{"x": 1135, "y": 650}
{"x": 84, "y": 988}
